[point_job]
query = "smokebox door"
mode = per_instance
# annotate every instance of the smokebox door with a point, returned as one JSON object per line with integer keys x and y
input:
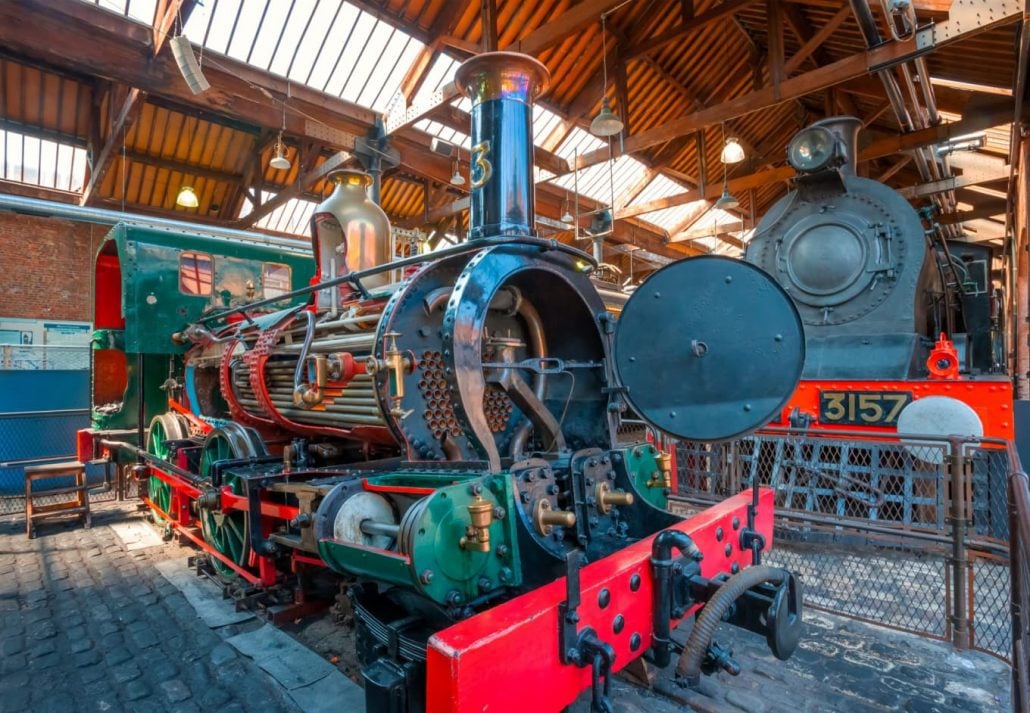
{"x": 709, "y": 348}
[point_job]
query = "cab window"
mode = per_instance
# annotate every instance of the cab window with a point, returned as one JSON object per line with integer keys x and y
{"x": 196, "y": 273}
{"x": 275, "y": 279}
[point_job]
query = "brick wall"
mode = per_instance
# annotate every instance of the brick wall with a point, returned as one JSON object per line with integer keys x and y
{"x": 45, "y": 267}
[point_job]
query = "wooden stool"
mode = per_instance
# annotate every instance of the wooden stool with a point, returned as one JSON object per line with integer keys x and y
{"x": 79, "y": 506}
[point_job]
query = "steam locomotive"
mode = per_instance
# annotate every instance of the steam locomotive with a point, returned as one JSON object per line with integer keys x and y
{"x": 903, "y": 329}
{"x": 446, "y": 444}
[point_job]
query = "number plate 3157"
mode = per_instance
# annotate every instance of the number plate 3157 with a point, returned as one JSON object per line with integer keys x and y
{"x": 862, "y": 408}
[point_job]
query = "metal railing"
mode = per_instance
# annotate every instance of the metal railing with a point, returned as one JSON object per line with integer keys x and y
{"x": 30, "y": 438}
{"x": 919, "y": 533}
{"x": 1019, "y": 578}
{"x": 43, "y": 356}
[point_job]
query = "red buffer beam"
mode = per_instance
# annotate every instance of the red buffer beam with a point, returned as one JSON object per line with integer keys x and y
{"x": 513, "y": 647}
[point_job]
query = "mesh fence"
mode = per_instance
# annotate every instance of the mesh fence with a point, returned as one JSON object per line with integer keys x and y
{"x": 36, "y": 357}
{"x": 869, "y": 524}
{"x": 29, "y": 438}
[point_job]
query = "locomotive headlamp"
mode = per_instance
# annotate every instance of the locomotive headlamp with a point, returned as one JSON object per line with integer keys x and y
{"x": 811, "y": 150}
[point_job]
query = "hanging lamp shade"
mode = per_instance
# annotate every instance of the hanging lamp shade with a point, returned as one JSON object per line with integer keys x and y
{"x": 187, "y": 198}
{"x": 727, "y": 201}
{"x": 279, "y": 159}
{"x": 732, "y": 151}
{"x": 457, "y": 179}
{"x": 606, "y": 123}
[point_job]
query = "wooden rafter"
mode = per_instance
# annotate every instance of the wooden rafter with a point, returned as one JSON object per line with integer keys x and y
{"x": 854, "y": 66}
{"x": 719, "y": 12}
{"x": 101, "y": 158}
{"x": 303, "y": 182}
{"x": 813, "y": 41}
{"x": 167, "y": 14}
{"x": 878, "y": 149}
{"x": 571, "y": 21}
{"x": 955, "y": 183}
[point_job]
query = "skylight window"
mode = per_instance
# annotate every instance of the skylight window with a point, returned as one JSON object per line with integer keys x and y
{"x": 668, "y": 219}
{"x": 26, "y": 159}
{"x": 293, "y": 217}
{"x": 578, "y": 141}
{"x": 336, "y": 48}
{"x": 139, "y": 10}
{"x": 600, "y": 184}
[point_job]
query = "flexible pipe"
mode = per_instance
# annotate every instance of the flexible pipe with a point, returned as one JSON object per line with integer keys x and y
{"x": 689, "y": 665}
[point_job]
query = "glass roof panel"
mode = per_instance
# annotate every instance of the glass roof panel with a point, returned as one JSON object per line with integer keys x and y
{"x": 333, "y": 47}
{"x": 600, "y": 183}
{"x": 39, "y": 162}
{"x": 293, "y": 217}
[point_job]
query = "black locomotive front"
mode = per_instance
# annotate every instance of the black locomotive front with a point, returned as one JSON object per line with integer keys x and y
{"x": 873, "y": 291}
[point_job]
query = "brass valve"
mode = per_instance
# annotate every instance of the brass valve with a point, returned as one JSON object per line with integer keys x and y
{"x": 608, "y": 498}
{"x": 397, "y": 364}
{"x": 544, "y": 518}
{"x": 477, "y": 534}
{"x": 662, "y": 478}
{"x": 306, "y": 395}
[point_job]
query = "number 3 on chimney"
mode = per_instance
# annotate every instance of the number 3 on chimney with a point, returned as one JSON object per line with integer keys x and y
{"x": 481, "y": 166}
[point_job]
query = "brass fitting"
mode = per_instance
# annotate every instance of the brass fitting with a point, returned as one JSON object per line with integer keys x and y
{"x": 608, "y": 498}
{"x": 398, "y": 365}
{"x": 306, "y": 395}
{"x": 477, "y": 534}
{"x": 662, "y": 478}
{"x": 544, "y": 518}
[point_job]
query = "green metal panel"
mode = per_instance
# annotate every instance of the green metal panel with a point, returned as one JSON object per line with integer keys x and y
{"x": 439, "y": 566}
{"x": 152, "y": 303}
{"x": 643, "y": 468}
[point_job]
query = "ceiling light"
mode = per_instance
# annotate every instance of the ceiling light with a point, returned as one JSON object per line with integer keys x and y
{"x": 727, "y": 201}
{"x": 279, "y": 160}
{"x": 456, "y": 178}
{"x": 566, "y": 216}
{"x": 187, "y": 198}
{"x": 606, "y": 123}
{"x": 732, "y": 151}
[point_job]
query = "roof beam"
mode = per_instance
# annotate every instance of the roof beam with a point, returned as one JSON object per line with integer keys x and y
{"x": 302, "y": 183}
{"x": 814, "y": 41}
{"x": 571, "y": 21}
{"x": 955, "y": 183}
{"x": 121, "y": 53}
{"x": 190, "y": 169}
{"x": 101, "y": 161}
{"x": 165, "y": 15}
{"x": 714, "y": 14}
{"x": 987, "y": 209}
{"x": 878, "y": 149}
{"x": 960, "y": 25}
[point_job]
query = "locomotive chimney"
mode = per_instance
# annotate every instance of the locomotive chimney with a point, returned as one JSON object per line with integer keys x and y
{"x": 846, "y": 129}
{"x": 502, "y": 87}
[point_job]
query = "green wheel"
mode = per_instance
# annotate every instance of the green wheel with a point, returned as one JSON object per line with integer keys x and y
{"x": 227, "y": 531}
{"x": 164, "y": 428}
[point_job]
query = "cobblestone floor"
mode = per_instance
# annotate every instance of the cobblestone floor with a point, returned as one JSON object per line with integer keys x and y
{"x": 86, "y": 625}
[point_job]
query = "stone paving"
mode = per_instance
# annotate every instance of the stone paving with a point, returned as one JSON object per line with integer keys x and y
{"x": 87, "y": 625}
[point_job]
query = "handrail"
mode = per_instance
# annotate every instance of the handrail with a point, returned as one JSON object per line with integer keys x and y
{"x": 1019, "y": 580}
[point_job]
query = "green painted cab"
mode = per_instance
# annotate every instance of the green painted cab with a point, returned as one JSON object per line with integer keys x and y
{"x": 149, "y": 284}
